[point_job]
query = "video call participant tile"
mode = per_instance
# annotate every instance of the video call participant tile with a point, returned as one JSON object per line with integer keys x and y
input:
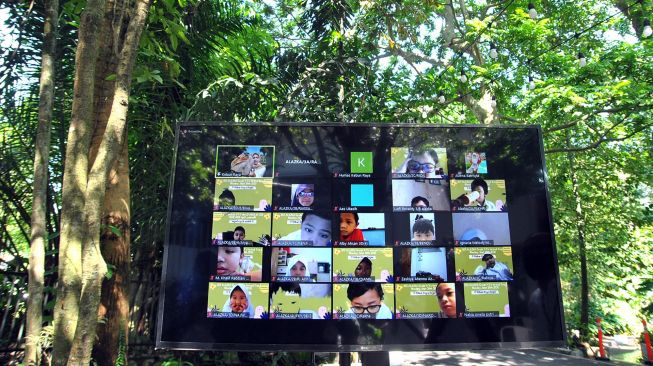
{"x": 242, "y": 194}
{"x": 422, "y": 264}
{"x": 486, "y": 300}
{"x": 237, "y": 300}
{"x": 362, "y": 265}
{"x": 241, "y": 228}
{"x": 478, "y": 195}
{"x": 300, "y": 264}
{"x": 420, "y": 195}
{"x": 301, "y": 195}
{"x": 423, "y": 161}
{"x": 363, "y": 301}
{"x": 361, "y": 229}
{"x": 481, "y": 228}
{"x": 471, "y": 164}
{"x": 420, "y": 301}
{"x": 302, "y": 229}
{"x": 358, "y": 163}
{"x": 300, "y": 300}
{"x": 421, "y": 229}
{"x": 483, "y": 263}
{"x": 233, "y": 161}
{"x": 236, "y": 263}
{"x": 300, "y": 162}
{"x": 361, "y": 195}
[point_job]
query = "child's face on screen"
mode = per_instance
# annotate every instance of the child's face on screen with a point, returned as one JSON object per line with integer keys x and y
{"x": 316, "y": 229}
{"x": 422, "y": 163}
{"x": 306, "y": 197}
{"x": 298, "y": 270}
{"x": 420, "y": 236}
{"x": 239, "y": 235}
{"x": 229, "y": 259}
{"x": 347, "y": 224}
{"x": 238, "y": 301}
{"x": 420, "y": 203}
{"x": 369, "y": 302}
{"x": 363, "y": 269}
{"x": 447, "y": 299}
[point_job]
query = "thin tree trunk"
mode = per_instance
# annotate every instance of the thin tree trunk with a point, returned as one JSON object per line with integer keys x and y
{"x": 73, "y": 227}
{"x": 582, "y": 250}
{"x": 39, "y": 234}
{"x": 341, "y": 82}
{"x": 7, "y": 308}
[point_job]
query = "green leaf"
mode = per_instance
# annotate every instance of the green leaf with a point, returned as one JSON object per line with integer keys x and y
{"x": 110, "y": 271}
{"x": 115, "y": 230}
{"x": 174, "y": 42}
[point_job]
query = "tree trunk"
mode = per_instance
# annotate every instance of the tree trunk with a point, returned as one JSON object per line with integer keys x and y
{"x": 634, "y": 13}
{"x": 73, "y": 228}
{"x": 114, "y": 304}
{"x": 113, "y": 139}
{"x": 39, "y": 234}
{"x": 87, "y": 187}
{"x": 582, "y": 251}
{"x": 482, "y": 108}
{"x": 106, "y": 349}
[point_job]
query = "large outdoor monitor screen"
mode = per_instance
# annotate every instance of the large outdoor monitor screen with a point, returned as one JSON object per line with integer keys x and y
{"x": 337, "y": 237}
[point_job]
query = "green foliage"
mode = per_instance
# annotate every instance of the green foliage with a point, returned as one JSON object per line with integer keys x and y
{"x": 121, "y": 359}
{"x": 384, "y": 61}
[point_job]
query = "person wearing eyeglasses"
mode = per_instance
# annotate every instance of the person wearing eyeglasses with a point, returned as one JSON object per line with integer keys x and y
{"x": 367, "y": 301}
{"x": 422, "y": 162}
{"x": 304, "y": 195}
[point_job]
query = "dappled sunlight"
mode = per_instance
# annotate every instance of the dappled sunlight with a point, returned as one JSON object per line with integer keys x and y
{"x": 526, "y": 357}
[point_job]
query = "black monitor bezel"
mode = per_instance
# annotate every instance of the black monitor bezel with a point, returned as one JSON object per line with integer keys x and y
{"x": 159, "y": 344}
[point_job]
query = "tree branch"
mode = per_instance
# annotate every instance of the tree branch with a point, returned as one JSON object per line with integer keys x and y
{"x": 623, "y": 108}
{"x": 413, "y": 57}
{"x": 598, "y": 142}
{"x": 561, "y": 127}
